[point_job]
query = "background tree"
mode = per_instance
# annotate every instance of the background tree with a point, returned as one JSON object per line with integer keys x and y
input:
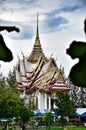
{"x": 78, "y": 95}
{"x": 65, "y": 106}
{"x": 11, "y": 81}
{"x": 2, "y": 80}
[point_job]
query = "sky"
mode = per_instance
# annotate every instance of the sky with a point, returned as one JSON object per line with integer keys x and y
{"x": 60, "y": 22}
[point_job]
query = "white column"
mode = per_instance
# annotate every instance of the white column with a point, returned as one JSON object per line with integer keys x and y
{"x": 42, "y": 101}
{"x": 45, "y": 101}
{"x": 35, "y": 100}
{"x": 39, "y": 101}
{"x": 54, "y": 105}
{"x": 49, "y": 102}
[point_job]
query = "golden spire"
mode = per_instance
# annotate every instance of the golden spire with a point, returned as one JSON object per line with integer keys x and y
{"x": 37, "y": 40}
{"x": 37, "y": 49}
{"x": 37, "y": 33}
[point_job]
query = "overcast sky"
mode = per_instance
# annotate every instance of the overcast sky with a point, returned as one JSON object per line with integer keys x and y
{"x": 60, "y": 22}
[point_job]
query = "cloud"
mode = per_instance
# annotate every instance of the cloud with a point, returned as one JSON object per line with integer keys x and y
{"x": 7, "y": 23}
{"x": 19, "y": 13}
{"x": 60, "y": 22}
{"x": 26, "y": 31}
{"x": 70, "y": 8}
{"x": 64, "y": 9}
{"x": 82, "y": 2}
{"x": 53, "y": 23}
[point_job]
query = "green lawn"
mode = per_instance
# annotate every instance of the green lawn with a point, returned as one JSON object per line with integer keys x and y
{"x": 57, "y": 129}
{"x": 73, "y": 128}
{"x": 51, "y": 129}
{"x": 77, "y": 128}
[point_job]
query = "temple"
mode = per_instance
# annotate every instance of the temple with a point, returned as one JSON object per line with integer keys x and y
{"x": 39, "y": 78}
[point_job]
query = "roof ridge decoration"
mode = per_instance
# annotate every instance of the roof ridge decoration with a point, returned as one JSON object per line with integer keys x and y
{"x": 37, "y": 49}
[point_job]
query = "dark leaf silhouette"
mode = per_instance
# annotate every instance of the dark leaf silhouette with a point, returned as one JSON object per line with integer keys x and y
{"x": 9, "y": 28}
{"x": 77, "y": 74}
{"x": 85, "y": 26}
{"x": 5, "y": 53}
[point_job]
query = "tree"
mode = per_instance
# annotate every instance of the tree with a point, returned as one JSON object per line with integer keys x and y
{"x": 10, "y": 103}
{"x": 11, "y": 81}
{"x": 48, "y": 120}
{"x": 12, "y": 106}
{"x": 65, "y": 106}
{"x": 2, "y": 80}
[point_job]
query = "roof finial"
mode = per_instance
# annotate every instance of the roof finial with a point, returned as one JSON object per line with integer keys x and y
{"x": 37, "y": 33}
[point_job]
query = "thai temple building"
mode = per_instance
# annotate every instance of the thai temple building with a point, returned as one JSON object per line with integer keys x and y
{"x": 39, "y": 78}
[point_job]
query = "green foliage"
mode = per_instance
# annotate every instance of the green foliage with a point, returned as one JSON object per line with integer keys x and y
{"x": 48, "y": 120}
{"x": 10, "y": 103}
{"x": 63, "y": 121}
{"x": 2, "y": 81}
{"x": 11, "y": 81}
{"x": 65, "y": 106}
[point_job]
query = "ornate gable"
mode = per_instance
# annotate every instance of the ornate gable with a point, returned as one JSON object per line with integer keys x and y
{"x": 52, "y": 64}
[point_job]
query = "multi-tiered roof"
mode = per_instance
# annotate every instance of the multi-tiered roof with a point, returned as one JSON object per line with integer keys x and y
{"x": 38, "y": 72}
